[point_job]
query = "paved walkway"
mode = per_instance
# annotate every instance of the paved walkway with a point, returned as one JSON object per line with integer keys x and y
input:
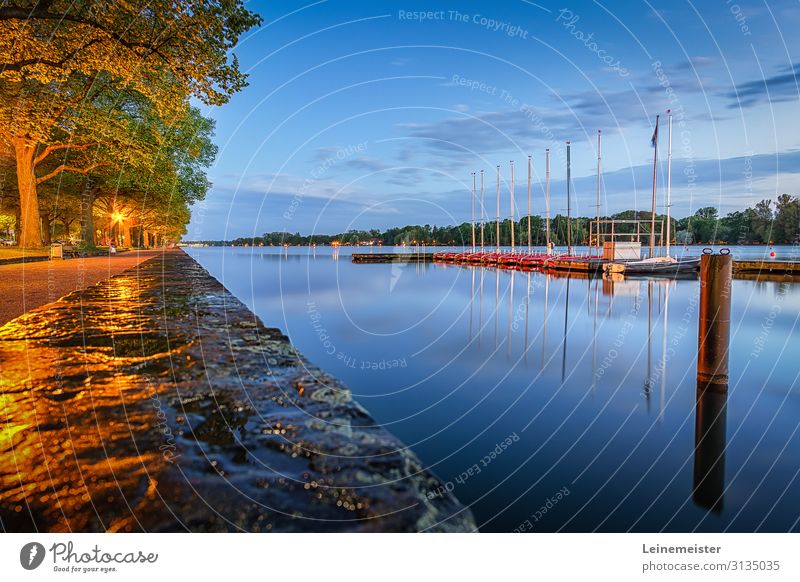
{"x": 24, "y": 286}
{"x": 156, "y": 401}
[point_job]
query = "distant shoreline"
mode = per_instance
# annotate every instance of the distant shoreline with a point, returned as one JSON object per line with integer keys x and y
{"x": 200, "y": 244}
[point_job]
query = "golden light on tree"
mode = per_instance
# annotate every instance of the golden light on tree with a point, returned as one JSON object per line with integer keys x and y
{"x": 78, "y": 81}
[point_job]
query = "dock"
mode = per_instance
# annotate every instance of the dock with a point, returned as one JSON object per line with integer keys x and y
{"x": 393, "y": 257}
{"x": 767, "y": 266}
{"x": 560, "y": 264}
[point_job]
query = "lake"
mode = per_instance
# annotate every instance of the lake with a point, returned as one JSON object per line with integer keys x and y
{"x": 548, "y": 403}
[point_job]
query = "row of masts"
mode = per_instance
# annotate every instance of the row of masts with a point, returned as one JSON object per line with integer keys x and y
{"x": 548, "y": 246}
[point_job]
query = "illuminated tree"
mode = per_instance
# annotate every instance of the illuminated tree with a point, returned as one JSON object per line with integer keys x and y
{"x": 65, "y": 65}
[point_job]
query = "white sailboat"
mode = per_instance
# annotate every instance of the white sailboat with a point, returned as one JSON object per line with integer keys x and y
{"x": 666, "y": 264}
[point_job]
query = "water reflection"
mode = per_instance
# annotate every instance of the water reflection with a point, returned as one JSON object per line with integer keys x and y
{"x": 710, "y": 443}
{"x": 600, "y": 374}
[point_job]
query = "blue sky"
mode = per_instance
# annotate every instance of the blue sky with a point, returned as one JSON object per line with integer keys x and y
{"x": 375, "y": 114}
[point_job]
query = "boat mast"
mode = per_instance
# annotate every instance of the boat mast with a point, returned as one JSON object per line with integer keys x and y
{"x": 483, "y": 214}
{"x": 512, "y": 205}
{"x": 569, "y": 174}
{"x": 547, "y": 198}
{"x": 473, "y": 212}
{"x": 669, "y": 180}
{"x": 529, "y": 204}
{"x": 597, "y": 224}
{"x": 655, "y": 175}
{"x": 498, "y": 208}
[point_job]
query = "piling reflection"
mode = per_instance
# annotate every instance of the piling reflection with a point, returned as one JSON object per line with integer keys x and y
{"x": 710, "y": 442}
{"x": 713, "y": 346}
{"x": 642, "y": 304}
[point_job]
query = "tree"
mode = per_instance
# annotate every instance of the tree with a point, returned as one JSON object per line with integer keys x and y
{"x": 167, "y": 170}
{"x": 762, "y": 220}
{"x": 704, "y": 224}
{"x": 59, "y": 54}
{"x": 787, "y": 218}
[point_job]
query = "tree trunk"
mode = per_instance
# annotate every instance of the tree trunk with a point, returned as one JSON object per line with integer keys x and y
{"x": 17, "y": 224}
{"x": 126, "y": 232}
{"x": 47, "y": 229}
{"x": 87, "y": 218}
{"x": 66, "y": 224}
{"x": 30, "y": 234}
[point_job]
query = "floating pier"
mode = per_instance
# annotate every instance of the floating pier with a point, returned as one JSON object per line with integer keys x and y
{"x": 766, "y": 266}
{"x": 745, "y": 269}
{"x": 392, "y": 257}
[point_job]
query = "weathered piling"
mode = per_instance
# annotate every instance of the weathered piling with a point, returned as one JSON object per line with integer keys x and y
{"x": 714, "y": 323}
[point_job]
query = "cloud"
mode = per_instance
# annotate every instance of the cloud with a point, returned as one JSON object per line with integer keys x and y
{"x": 528, "y": 127}
{"x": 694, "y": 63}
{"x": 784, "y": 86}
{"x": 268, "y": 202}
{"x": 366, "y": 164}
{"x": 730, "y": 184}
{"x": 407, "y": 177}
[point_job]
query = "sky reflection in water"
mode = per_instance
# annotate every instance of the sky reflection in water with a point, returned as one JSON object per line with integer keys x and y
{"x": 589, "y": 384}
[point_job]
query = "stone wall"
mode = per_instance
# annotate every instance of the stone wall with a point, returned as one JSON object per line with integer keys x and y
{"x": 156, "y": 401}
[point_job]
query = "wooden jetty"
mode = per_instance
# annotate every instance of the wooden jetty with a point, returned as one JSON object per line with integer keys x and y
{"x": 392, "y": 257}
{"x": 766, "y": 266}
{"x": 744, "y": 269}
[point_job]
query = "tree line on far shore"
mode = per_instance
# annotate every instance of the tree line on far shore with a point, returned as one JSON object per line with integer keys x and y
{"x": 766, "y": 223}
{"x": 97, "y": 135}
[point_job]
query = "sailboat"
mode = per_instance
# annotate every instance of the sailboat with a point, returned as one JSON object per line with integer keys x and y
{"x": 666, "y": 265}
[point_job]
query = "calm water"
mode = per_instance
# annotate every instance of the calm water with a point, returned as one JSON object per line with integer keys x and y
{"x": 547, "y": 403}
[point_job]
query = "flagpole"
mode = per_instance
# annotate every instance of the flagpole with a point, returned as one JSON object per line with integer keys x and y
{"x": 483, "y": 213}
{"x": 498, "y": 208}
{"x": 547, "y": 198}
{"x": 569, "y": 174}
{"x": 512, "y": 205}
{"x": 473, "y": 212}
{"x": 529, "y": 204}
{"x": 654, "y": 141}
{"x": 669, "y": 179}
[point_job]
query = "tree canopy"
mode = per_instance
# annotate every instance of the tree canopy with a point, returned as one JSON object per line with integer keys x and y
{"x": 94, "y": 87}
{"x": 752, "y": 226}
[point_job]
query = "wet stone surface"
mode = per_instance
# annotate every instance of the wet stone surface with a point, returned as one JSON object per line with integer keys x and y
{"x": 156, "y": 401}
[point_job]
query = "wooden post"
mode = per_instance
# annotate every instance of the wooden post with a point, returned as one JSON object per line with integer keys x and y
{"x": 714, "y": 323}
{"x": 714, "y": 320}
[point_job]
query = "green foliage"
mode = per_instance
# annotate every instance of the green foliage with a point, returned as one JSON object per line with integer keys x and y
{"x": 102, "y": 89}
{"x": 750, "y": 226}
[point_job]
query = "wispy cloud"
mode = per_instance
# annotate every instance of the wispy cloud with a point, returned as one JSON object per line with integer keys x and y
{"x": 784, "y": 86}
{"x": 365, "y": 164}
{"x": 528, "y": 127}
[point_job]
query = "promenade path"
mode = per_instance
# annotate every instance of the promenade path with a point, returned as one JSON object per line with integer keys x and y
{"x": 25, "y": 286}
